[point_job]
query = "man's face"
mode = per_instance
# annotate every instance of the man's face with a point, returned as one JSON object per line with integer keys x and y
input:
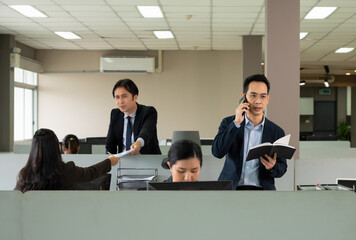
{"x": 257, "y": 97}
{"x": 125, "y": 101}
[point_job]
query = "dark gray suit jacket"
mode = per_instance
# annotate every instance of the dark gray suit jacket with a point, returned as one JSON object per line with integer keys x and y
{"x": 145, "y": 127}
{"x": 229, "y": 142}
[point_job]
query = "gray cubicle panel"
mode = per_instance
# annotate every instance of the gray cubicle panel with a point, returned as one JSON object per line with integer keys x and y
{"x": 267, "y": 215}
{"x": 11, "y": 215}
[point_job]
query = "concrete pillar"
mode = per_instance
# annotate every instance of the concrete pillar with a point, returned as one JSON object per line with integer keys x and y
{"x": 353, "y": 119}
{"x": 282, "y": 61}
{"x": 7, "y": 42}
{"x": 251, "y": 55}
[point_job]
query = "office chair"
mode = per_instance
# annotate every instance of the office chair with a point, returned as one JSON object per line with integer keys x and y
{"x": 190, "y": 135}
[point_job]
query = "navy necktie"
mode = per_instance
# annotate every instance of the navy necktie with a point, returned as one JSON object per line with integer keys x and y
{"x": 128, "y": 133}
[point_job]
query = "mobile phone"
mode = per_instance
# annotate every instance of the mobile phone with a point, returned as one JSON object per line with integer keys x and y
{"x": 243, "y": 99}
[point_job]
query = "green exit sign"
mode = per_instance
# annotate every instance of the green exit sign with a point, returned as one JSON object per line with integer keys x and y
{"x": 325, "y": 91}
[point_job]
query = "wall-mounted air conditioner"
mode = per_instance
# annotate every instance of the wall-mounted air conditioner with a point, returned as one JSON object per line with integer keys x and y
{"x": 127, "y": 64}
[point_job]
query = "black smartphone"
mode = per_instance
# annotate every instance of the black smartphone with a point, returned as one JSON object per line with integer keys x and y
{"x": 243, "y": 99}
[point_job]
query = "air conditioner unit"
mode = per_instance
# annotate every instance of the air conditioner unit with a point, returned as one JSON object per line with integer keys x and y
{"x": 127, "y": 64}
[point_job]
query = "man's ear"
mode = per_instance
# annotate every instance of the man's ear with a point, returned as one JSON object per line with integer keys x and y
{"x": 135, "y": 97}
{"x": 169, "y": 164}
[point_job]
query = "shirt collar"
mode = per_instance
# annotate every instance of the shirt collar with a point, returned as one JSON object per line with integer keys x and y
{"x": 249, "y": 125}
{"x": 132, "y": 114}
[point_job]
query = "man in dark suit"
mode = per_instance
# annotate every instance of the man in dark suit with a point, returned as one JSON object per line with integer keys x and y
{"x": 132, "y": 125}
{"x": 244, "y": 130}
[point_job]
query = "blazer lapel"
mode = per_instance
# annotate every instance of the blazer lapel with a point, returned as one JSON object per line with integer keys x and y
{"x": 137, "y": 120}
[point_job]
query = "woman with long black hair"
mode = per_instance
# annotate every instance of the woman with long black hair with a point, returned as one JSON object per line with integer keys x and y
{"x": 45, "y": 169}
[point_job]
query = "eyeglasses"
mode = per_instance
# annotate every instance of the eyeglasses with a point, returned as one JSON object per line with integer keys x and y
{"x": 255, "y": 96}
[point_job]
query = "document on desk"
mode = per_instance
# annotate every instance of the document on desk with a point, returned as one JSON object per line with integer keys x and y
{"x": 135, "y": 178}
{"x": 124, "y": 153}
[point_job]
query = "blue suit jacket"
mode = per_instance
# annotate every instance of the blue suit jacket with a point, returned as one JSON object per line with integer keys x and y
{"x": 229, "y": 142}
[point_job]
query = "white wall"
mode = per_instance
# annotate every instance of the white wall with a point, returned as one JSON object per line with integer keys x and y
{"x": 195, "y": 90}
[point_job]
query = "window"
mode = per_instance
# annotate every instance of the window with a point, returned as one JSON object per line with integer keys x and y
{"x": 25, "y": 104}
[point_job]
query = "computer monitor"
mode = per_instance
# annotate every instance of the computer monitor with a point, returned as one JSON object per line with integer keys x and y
{"x": 347, "y": 182}
{"x": 203, "y": 185}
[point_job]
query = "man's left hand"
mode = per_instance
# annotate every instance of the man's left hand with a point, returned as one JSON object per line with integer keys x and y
{"x": 137, "y": 146}
{"x": 271, "y": 161}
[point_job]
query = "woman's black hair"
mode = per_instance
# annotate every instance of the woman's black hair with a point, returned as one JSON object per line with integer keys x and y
{"x": 181, "y": 150}
{"x": 41, "y": 169}
{"x": 71, "y": 142}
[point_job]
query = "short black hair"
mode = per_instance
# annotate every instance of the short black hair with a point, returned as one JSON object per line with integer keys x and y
{"x": 128, "y": 84}
{"x": 256, "y": 78}
{"x": 182, "y": 150}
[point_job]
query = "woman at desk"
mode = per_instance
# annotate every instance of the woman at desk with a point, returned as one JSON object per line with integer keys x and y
{"x": 184, "y": 161}
{"x": 70, "y": 144}
{"x": 45, "y": 169}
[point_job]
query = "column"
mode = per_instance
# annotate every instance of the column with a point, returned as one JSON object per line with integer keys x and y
{"x": 7, "y": 42}
{"x": 282, "y": 61}
{"x": 251, "y": 55}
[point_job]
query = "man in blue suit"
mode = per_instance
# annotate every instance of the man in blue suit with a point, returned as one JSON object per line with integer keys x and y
{"x": 244, "y": 130}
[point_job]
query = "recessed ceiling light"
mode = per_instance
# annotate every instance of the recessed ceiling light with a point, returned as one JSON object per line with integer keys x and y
{"x": 68, "y": 35}
{"x": 320, "y": 12}
{"x": 28, "y": 11}
{"x": 163, "y": 34}
{"x": 303, "y": 35}
{"x": 150, "y": 11}
{"x": 354, "y": 70}
{"x": 348, "y": 74}
{"x": 302, "y": 83}
{"x": 326, "y": 83}
{"x": 344, "y": 50}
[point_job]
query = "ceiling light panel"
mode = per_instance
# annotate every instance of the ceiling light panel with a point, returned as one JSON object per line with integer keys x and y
{"x": 28, "y": 11}
{"x": 150, "y": 11}
{"x": 163, "y": 34}
{"x": 344, "y": 50}
{"x": 320, "y": 12}
{"x": 303, "y": 35}
{"x": 68, "y": 35}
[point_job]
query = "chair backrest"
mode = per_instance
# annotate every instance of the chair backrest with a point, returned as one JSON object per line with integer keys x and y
{"x": 190, "y": 135}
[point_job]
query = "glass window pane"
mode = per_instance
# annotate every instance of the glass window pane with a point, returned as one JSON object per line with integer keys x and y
{"x": 28, "y": 114}
{"x": 29, "y": 77}
{"x": 19, "y": 114}
{"x": 19, "y": 75}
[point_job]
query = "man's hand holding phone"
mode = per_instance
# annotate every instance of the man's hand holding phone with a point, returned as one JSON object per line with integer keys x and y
{"x": 241, "y": 109}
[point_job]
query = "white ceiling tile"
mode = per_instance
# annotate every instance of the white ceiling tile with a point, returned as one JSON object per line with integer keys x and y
{"x": 131, "y": 8}
{"x": 194, "y": 15}
{"x": 338, "y": 3}
{"x": 185, "y": 9}
{"x": 235, "y": 10}
{"x": 94, "y": 15}
{"x": 48, "y": 8}
{"x": 58, "y": 14}
{"x": 14, "y": 20}
{"x": 235, "y": 16}
{"x": 128, "y": 14}
{"x": 87, "y": 8}
{"x": 133, "y": 2}
{"x": 185, "y": 3}
{"x": 249, "y": 3}
{"x": 80, "y": 2}
{"x": 113, "y": 34}
{"x": 182, "y": 19}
